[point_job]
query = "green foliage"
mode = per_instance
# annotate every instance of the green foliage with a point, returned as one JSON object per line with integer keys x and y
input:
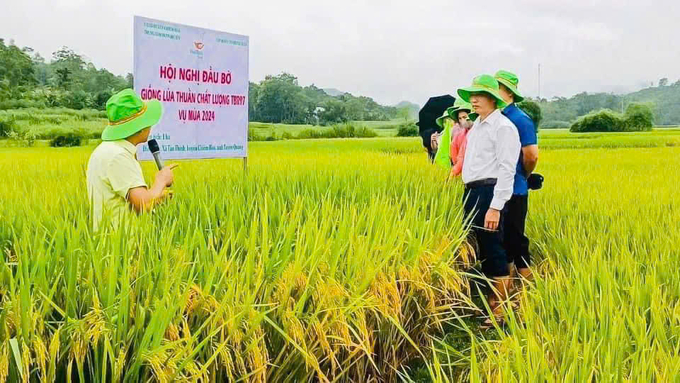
{"x": 608, "y": 275}
{"x": 639, "y": 117}
{"x": 533, "y": 110}
{"x": 334, "y": 111}
{"x": 254, "y": 136}
{"x": 347, "y": 130}
{"x": 16, "y": 68}
{"x": 555, "y": 125}
{"x": 68, "y": 80}
{"x": 322, "y": 247}
{"x": 280, "y": 99}
{"x": 7, "y": 125}
{"x": 600, "y": 121}
{"x": 407, "y": 130}
{"x": 665, "y": 99}
{"x": 67, "y": 140}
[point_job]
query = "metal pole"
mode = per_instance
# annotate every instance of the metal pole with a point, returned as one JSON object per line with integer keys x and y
{"x": 539, "y": 82}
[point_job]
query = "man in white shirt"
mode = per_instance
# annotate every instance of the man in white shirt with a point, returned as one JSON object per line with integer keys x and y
{"x": 491, "y": 156}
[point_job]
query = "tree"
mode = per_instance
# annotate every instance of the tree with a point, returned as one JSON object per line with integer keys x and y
{"x": 639, "y": 117}
{"x": 600, "y": 121}
{"x": 663, "y": 82}
{"x": 280, "y": 99}
{"x": 63, "y": 77}
{"x": 16, "y": 66}
{"x": 253, "y": 93}
{"x": 334, "y": 111}
{"x": 404, "y": 113}
{"x": 533, "y": 110}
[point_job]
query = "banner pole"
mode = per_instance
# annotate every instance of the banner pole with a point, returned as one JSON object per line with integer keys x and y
{"x": 245, "y": 166}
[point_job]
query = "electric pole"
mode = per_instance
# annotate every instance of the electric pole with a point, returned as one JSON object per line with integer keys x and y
{"x": 539, "y": 82}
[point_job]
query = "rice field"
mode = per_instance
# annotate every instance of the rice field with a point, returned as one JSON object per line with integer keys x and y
{"x": 340, "y": 260}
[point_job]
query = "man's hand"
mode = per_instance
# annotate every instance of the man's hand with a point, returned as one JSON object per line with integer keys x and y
{"x": 492, "y": 219}
{"x": 142, "y": 199}
{"x": 165, "y": 177}
{"x": 529, "y": 158}
{"x": 434, "y": 141}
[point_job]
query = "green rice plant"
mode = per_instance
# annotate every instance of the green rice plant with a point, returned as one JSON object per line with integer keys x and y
{"x": 328, "y": 261}
{"x": 606, "y": 302}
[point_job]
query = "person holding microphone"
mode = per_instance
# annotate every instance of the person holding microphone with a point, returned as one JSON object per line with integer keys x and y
{"x": 115, "y": 182}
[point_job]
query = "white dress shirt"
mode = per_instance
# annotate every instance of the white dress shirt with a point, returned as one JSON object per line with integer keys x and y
{"x": 492, "y": 151}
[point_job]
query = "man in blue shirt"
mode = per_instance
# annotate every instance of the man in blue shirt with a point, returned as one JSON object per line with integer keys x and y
{"x": 515, "y": 241}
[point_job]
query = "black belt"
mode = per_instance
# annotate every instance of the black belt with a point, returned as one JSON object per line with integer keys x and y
{"x": 480, "y": 183}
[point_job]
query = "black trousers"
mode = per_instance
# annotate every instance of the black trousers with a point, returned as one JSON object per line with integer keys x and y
{"x": 490, "y": 243}
{"x": 515, "y": 241}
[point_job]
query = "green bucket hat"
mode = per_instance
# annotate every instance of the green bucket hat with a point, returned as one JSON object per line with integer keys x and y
{"x": 128, "y": 114}
{"x": 483, "y": 84}
{"x": 440, "y": 120}
{"x": 459, "y": 105}
{"x": 511, "y": 81}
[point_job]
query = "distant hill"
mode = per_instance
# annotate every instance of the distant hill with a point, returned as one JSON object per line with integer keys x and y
{"x": 333, "y": 92}
{"x": 666, "y": 101}
{"x": 412, "y": 108}
{"x": 407, "y": 104}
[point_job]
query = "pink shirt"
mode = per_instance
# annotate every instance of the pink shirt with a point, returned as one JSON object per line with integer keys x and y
{"x": 458, "y": 144}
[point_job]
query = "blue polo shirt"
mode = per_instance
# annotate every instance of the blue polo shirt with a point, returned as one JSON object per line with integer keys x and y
{"x": 527, "y": 136}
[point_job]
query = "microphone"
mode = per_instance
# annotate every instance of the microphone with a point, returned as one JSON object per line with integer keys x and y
{"x": 156, "y": 152}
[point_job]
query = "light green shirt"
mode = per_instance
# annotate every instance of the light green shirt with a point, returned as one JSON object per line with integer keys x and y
{"x": 111, "y": 172}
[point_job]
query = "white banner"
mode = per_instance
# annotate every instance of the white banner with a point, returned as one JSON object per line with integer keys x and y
{"x": 201, "y": 77}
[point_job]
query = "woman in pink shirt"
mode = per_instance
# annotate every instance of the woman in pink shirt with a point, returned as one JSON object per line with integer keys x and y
{"x": 464, "y": 116}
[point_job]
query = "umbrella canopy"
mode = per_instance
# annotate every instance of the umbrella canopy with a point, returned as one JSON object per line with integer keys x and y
{"x": 428, "y": 114}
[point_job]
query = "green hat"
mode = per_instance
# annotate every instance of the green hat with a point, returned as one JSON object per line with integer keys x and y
{"x": 459, "y": 105}
{"x": 440, "y": 120}
{"x": 511, "y": 81}
{"x": 483, "y": 84}
{"x": 128, "y": 114}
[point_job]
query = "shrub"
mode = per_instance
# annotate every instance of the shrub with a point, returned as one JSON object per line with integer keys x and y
{"x": 21, "y": 138}
{"x": 67, "y": 140}
{"x": 407, "y": 130}
{"x": 309, "y": 134}
{"x": 253, "y": 136}
{"x": 639, "y": 117}
{"x": 77, "y": 100}
{"x": 347, "y": 130}
{"x": 21, "y": 104}
{"x": 599, "y": 121}
{"x": 7, "y": 125}
{"x": 555, "y": 125}
{"x": 533, "y": 110}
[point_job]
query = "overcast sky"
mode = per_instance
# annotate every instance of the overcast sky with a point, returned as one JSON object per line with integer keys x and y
{"x": 389, "y": 50}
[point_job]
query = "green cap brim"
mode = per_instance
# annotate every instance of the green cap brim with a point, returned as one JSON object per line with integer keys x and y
{"x": 464, "y": 93}
{"x": 513, "y": 89}
{"x": 452, "y": 111}
{"x": 150, "y": 117}
{"x": 473, "y": 116}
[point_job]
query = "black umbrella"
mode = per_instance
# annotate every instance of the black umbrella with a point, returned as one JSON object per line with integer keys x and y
{"x": 427, "y": 116}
